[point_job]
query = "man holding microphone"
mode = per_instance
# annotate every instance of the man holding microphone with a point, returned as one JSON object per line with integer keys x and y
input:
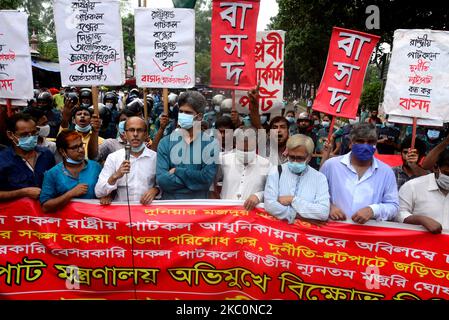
{"x": 130, "y": 171}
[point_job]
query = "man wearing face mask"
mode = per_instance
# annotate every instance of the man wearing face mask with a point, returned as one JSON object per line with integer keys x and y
{"x": 45, "y": 103}
{"x": 292, "y": 125}
{"x": 140, "y": 169}
{"x": 108, "y": 115}
{"x": 433, "y": 137}
{"x": 186, "y": 159}
{"x": 361, "y": 187}
{"x": 23, "y": 164}
{"x": 388, "y": 141}
{"x": 243, "y": 172}
{"x": 294, "y": 189}
{"x": 424, "y": 200}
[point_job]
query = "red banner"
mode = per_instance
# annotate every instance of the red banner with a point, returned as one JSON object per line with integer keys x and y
{"x": 233, "y": 39}
{"x": 342, "y": 82}
{"x": 194, "y": 250}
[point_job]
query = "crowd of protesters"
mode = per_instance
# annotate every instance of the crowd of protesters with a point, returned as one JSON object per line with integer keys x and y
{"x": 58, "y": 148}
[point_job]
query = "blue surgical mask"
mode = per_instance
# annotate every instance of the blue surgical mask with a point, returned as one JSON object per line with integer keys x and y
{"x": 247, "y": 121}
{"x": 291, "y": 119}
{"x": 325, "y": 124}
{"x": 297, "y": 167}
{"x": 121, "y": 127}
{"x": 85, "y": 129}
{"x": 363, "y": 151}
{"x": 138, "y": 149}
{"x": 71, "y": 161}
{"x": 263, "y": 119}
{"x": 27, "y": 143}
{"x": 433, "y": 134}
{"x": 185, "y": 120}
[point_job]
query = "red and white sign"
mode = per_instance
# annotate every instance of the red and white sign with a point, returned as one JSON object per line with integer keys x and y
{"x": 269, "y": 73}
{"x": 342, "y": 82}
{"x": 233, "y": 41}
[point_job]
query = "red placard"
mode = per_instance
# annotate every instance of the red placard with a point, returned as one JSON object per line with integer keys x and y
{"x": 194, "y": 250}
{"x": 342, "y": 82}
{"x": 233, "y": 39}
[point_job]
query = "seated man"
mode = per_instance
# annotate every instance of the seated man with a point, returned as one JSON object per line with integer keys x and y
{"x": 361, "y": 187}
{"x": 244, "y": 172}
{"x": 23, "y": 164}
{"x": 140, "y": 169}
{"x": 423, "y": 200}
{"x": 296, "y": 189}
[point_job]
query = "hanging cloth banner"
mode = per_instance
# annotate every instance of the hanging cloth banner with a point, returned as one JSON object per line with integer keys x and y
{"x": 165, "y": 48}
{"x": 90, "y": 44}
{"x": 233, "y": 40}
{"x": 211, "y": 250}
{"x": 16, "y": 75}
{"x": 342, "y": 82}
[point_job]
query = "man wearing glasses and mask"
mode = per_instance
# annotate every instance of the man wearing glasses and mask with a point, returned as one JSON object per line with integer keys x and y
{"x": 22, "y": 165}
{"x": 294, "y": 189}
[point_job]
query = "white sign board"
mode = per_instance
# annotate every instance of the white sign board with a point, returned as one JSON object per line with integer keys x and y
{"x": 418, "y": 76}
{"x": 165, "y": 48}
{"x": 90, "y": 46}
{"x": 16, "y": 75}
{"x": 269, "y": 72}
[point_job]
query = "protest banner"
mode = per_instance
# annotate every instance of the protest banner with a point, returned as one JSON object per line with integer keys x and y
{"x": 90, "y": 46}
{"x": 233, "y": 41}
{"x": 165, "y": 48}
{"x": 340, "y": 88}
{"x": 269, "y": 51}
{"x": 16, "y": 76}
{"x": 211, "y": 250}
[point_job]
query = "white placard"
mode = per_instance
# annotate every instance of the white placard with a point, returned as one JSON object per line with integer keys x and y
{"x": 269, "y": 72}
{"x": 418, "y": 76}
{"x": 165, "y": 48}
{"x": 90, "y": 45}
{"x": 16, "y": 74}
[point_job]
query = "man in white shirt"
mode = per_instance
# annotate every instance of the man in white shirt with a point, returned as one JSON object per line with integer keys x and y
{"x": 424, "y": 200}
{"x": 140, "y": 170}
{"x": 244, "y": 172}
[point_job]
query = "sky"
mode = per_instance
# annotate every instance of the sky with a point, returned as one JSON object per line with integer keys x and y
{"x": 268, "y": 8}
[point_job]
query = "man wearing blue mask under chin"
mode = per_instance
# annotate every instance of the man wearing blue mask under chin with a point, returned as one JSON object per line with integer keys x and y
{"x": 23, "y": 164}
{"x": 361, "y": 187}
{"x": 186, "y": 159}
{"x": 294, "y": 189}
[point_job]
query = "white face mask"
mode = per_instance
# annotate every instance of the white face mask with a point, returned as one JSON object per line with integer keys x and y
{"x": 245, "y": 156}
{"x": 44, "y": 131}
{"x": 443, "y": 181}
{"x": 109, "y": 105}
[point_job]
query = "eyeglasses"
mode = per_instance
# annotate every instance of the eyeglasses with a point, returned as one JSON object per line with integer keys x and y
{"x": 138, "y": 130}
{"x": 77, "y": 147}
{"x": 296, "y": 159}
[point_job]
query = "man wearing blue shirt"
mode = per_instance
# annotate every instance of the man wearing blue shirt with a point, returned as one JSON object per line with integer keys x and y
{"x": 361, "y": 187}
{"x": 186, "y": 159}
{"x": 22, "y": 165}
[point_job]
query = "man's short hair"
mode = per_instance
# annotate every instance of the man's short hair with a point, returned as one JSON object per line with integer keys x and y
{"x": 363, "y": 131}
{"x": 12, "y": 122}
{"x": 224, "y": 121}
{"x": 81, "y": 108}
{"x": 420, "y": 145}
{"x": 443, "y": 159}
{"x": 301, "y": 140}
{"x": 193, "y": 98}
{"x": 278, "y": 119}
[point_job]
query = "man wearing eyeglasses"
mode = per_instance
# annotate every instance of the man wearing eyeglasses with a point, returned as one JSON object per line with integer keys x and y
{"x": 294, "y": 189}
{"x": 139, "y": 172}
{"x": 361, "y": 187}
{"x": 22, "y": 165}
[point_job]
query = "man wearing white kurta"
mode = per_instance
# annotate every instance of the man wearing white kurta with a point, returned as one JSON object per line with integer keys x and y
{"x": 244, "y": 172}
{"x": 140, "y": 170}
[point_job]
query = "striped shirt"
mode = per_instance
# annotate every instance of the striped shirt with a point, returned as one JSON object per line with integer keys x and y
{"x": 309, "y": 189}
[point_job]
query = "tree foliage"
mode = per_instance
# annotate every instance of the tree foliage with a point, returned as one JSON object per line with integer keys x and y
{"x": 309, "y": 26}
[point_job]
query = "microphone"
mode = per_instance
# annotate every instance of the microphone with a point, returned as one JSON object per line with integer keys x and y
{"x": 127, "y": 151}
